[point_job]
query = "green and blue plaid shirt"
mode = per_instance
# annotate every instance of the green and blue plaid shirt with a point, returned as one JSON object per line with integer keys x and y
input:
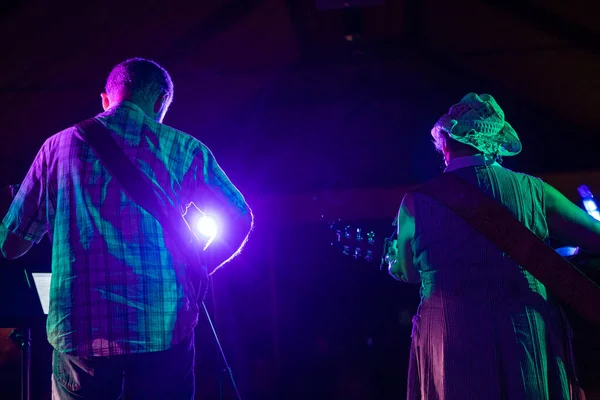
{"x": 117, "y": 286}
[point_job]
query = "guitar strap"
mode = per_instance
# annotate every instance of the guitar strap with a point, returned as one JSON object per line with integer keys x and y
{"x": 136, "y": 185}
{"x": 496, "y": 223}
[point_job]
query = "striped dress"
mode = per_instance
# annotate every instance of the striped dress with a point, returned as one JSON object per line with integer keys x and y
{"x": 485, "y": 328}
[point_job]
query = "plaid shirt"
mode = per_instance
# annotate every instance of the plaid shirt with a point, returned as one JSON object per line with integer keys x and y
{"x": 116, "y": 286}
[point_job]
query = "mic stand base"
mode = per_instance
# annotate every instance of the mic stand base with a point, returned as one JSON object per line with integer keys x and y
{"x": 22, "y": 337}
{"x": 226, "y": 367}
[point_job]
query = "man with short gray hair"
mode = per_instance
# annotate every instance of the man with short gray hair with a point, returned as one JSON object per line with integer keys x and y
{"x": 122, "y": 307}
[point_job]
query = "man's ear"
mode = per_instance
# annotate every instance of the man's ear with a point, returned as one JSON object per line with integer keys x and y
{"x": 160, "y": 103}
{"x": 105, "y": 101}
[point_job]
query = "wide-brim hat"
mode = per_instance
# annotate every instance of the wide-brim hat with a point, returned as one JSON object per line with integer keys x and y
{"x": 478, "y": 121}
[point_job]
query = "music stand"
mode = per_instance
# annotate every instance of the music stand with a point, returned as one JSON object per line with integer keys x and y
{"x": 35, "y": 306}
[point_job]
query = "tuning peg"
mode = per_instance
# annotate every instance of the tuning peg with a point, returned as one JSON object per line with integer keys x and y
{"x": 347, "y": 232}
{"x": 371, "y": 238}
{"x": 369, "y": 256}
{"x": 359, "y": 236}
{"x": 338, "y": 235}
{"x": 346, "y": 250}
{"x": 357, "y": 253}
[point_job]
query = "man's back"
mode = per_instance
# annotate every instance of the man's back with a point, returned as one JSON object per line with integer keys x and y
{"x": 118, "y": 286}
{"x": 122, "y": 306}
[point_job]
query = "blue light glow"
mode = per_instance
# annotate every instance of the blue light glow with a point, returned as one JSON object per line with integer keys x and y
{"x": 591, "y": 208}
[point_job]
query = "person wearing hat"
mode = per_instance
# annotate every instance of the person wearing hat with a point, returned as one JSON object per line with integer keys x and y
{"x": 485, "y": 327}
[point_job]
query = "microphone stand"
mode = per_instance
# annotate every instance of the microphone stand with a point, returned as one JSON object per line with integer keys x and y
{"x": 22, "y": 337}
{"x": 225, "y": 368}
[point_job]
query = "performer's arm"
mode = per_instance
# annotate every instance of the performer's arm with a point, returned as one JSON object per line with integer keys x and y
{"x": 216, "y": 195}
{"x": 570, "y": 223}
{"x": 12, "y": 245}
{"x": 25, "y": 222}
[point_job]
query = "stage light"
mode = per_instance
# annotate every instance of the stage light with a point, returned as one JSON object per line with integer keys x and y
{"x": 207, "y": 226}
{"x": 204, "y": 227}
{"x": 590, "y": 206}
{"x": 588, "y": 201}
{"x": 567, "y": 251}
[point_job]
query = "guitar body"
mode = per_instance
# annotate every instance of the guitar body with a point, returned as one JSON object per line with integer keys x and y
{"x": 586, "y": 335}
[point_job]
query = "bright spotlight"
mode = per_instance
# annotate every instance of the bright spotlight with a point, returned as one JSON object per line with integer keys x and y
{"x": 204, "y": 227}
{"x": 207, "y": 226}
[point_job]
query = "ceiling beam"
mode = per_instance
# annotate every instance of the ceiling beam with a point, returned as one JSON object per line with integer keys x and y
{"x": 226, "y": 17}
{"x": 579, "y": 36}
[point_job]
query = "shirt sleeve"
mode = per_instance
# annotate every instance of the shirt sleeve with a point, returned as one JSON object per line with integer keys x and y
{"x": 26, "y": 216}
{"x": 210, "y": 187}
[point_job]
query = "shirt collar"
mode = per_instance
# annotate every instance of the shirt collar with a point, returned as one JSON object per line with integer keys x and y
{"x": 470, "y": 161}
{"x": 127, "y": 104}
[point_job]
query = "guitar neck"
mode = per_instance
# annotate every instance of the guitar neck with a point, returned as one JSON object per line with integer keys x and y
{"x": 358, "y": 242}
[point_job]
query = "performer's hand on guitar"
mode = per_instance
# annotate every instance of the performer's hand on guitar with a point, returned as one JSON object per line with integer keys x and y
{"x": 391, "y": 251}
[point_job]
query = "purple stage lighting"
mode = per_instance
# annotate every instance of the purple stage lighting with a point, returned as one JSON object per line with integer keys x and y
{"x": 204, "y": 227}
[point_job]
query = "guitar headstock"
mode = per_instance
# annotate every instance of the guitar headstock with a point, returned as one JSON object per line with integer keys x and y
{"x": 355, "y": 241}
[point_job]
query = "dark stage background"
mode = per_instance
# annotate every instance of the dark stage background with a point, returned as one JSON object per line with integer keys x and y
{"x": 311, "y": 110}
